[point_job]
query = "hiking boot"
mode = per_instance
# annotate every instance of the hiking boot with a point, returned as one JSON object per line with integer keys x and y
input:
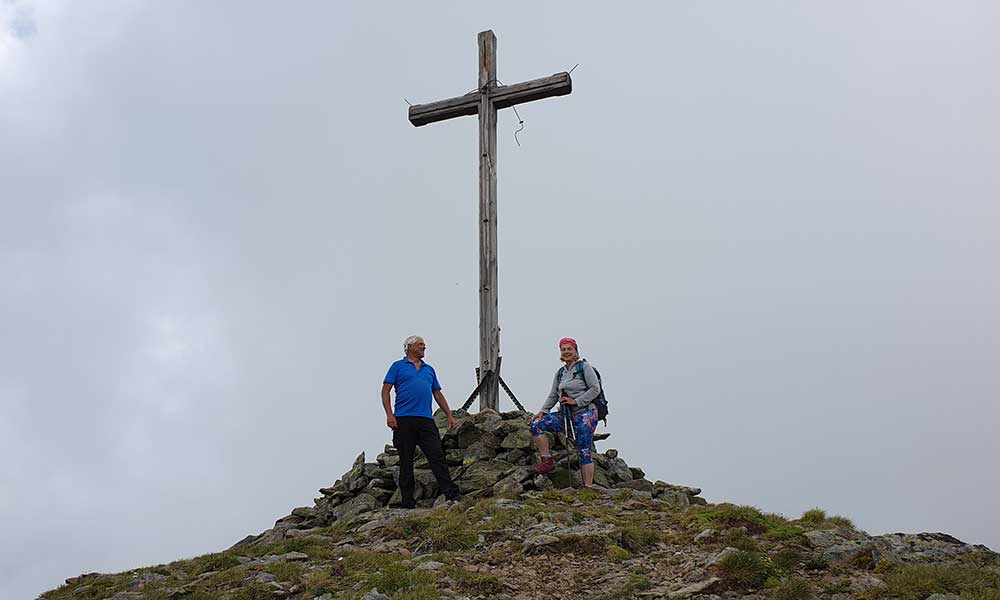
{"x": 545, "y": 465}
{"x": 408, "y": 505}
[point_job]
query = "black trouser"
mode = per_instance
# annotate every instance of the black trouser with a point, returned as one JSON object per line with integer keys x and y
{"x": 413, "y": 431}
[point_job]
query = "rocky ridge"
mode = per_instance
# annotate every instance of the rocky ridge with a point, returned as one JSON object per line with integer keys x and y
{"x": 488, "y": 454}
{"x": 520, "y": 536}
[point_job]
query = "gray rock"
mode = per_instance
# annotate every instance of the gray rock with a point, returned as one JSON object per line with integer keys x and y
{"x": 355, "y": 479}
{"x": 508, "y": 488}
{"x": 540, "y": 540}
{"x": 425, "y": 484}
{"x": 388, "y": 460}
{"x": 454, "y": 457}
{"x": 375, "y": 595}
{"x": 429, "y": 565}
{"x": 923, "y": 547}
{"x": 138, "y": 582}
{"x": 465, "y": 434}
{"x": 294, "y": 556}
{"x": 705, "y": 536}
{"x": 306, "y": 512}
{"x": 676, "y": 500}
{"x": 357, "y": 505}
{"x": 611, "y": 453}
{"x": 482, "y": 474}
{"x": 488, "y": 420}
{"x": 520, "y": 439}
{"x": 562, "y": 478}
{"x": 865, "y": 582}
{"x": 721, "y": 555}
{"x": 694, "y": 588}
{"x": 636, "y": 484}
{"x": 619, "y": 470}
{"x": 837, "y": 544}
{"x": 296, "y": 533}
{"x": 541, "y": 482}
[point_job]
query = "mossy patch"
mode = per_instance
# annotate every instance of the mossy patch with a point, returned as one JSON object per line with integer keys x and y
{"x": 616, "y": 553}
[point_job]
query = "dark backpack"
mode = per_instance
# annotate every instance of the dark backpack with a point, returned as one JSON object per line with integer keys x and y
{"x": 601, "y": 402}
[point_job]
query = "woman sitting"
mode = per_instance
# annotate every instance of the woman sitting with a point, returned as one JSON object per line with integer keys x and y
{"x": 575, "y": 387}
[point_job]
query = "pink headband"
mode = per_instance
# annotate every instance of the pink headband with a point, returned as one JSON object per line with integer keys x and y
{"x": 569, "y": 341}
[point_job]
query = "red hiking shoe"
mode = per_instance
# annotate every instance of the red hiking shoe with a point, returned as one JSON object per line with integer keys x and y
{"x": 545, "y": 465}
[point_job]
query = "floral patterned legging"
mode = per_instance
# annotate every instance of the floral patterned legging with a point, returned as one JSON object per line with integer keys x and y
{"x": 584, "y": 424}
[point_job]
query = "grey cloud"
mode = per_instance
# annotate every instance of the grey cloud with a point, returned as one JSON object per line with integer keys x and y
{"x": 772, "y": 228}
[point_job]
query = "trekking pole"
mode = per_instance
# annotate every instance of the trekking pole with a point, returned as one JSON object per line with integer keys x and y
{"x": 571, "y": 437}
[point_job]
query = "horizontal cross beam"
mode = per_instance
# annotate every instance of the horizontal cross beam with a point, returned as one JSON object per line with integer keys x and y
{"x": 504, "y": 96}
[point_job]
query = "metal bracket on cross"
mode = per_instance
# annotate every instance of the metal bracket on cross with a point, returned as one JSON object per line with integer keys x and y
{"x": 482, "y": 382}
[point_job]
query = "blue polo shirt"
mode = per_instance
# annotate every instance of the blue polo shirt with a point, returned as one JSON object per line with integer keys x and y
{"x": 414, "y": 388}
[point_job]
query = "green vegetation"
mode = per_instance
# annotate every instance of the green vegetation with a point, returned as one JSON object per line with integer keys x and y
{"x": 394, "y": 577}
{"x": 626, "y": 528}
{"x": 725, "y": 516}
{"x": 616, "y": 553}
{"x": 771, "y": 526}
{"x": 475, "y": 583}
{"x": 786, "y": 560}
{"x": 91, "y": 588}
{"x": 816, "y": 518}
{"x": 444, "y": 530}
{"x": 209, "y": 562}
{"x": 742, "y": 569}
{"x": 635, "y": 583}
{"x": 838, "y": 587}
{"x": 792, "y": 588}
{"x": 739, "y": 539}
{"x": 635, "y": 538}
{"x": 920, "y": 581}
{"x": 284, "y": 570}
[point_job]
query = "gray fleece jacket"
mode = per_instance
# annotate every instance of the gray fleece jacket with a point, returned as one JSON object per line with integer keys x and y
{"x": 584, "y": 391}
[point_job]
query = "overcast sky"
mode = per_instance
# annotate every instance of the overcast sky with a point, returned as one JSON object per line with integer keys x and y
{"x": 774, "y": 227}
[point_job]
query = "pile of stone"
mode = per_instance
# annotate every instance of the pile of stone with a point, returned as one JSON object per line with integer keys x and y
{"x": 489, "y": 454}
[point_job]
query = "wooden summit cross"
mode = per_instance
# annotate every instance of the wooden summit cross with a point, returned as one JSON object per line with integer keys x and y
{"x": 485, "y": 101}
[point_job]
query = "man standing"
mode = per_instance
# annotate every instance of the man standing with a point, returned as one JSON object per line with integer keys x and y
{"x": 412, "y": 423}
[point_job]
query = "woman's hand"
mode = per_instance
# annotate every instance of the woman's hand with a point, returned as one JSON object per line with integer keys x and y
{"x": 539, "y": 415}
{"x": 568, "y": 401}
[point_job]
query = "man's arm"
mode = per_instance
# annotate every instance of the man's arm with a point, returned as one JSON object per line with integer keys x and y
{"x": 390, "y": 419}
{"x": 439, "y": 398}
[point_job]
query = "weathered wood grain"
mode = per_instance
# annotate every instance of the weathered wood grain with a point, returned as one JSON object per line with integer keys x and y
{"x": 489, "y": 332}
{"x": 505, "y": 96}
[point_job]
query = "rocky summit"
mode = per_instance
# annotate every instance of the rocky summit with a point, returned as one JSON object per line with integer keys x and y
{"x": 519, "y": 536}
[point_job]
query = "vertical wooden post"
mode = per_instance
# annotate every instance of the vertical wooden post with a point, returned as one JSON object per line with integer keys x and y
{"x": 489, "y": 331}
